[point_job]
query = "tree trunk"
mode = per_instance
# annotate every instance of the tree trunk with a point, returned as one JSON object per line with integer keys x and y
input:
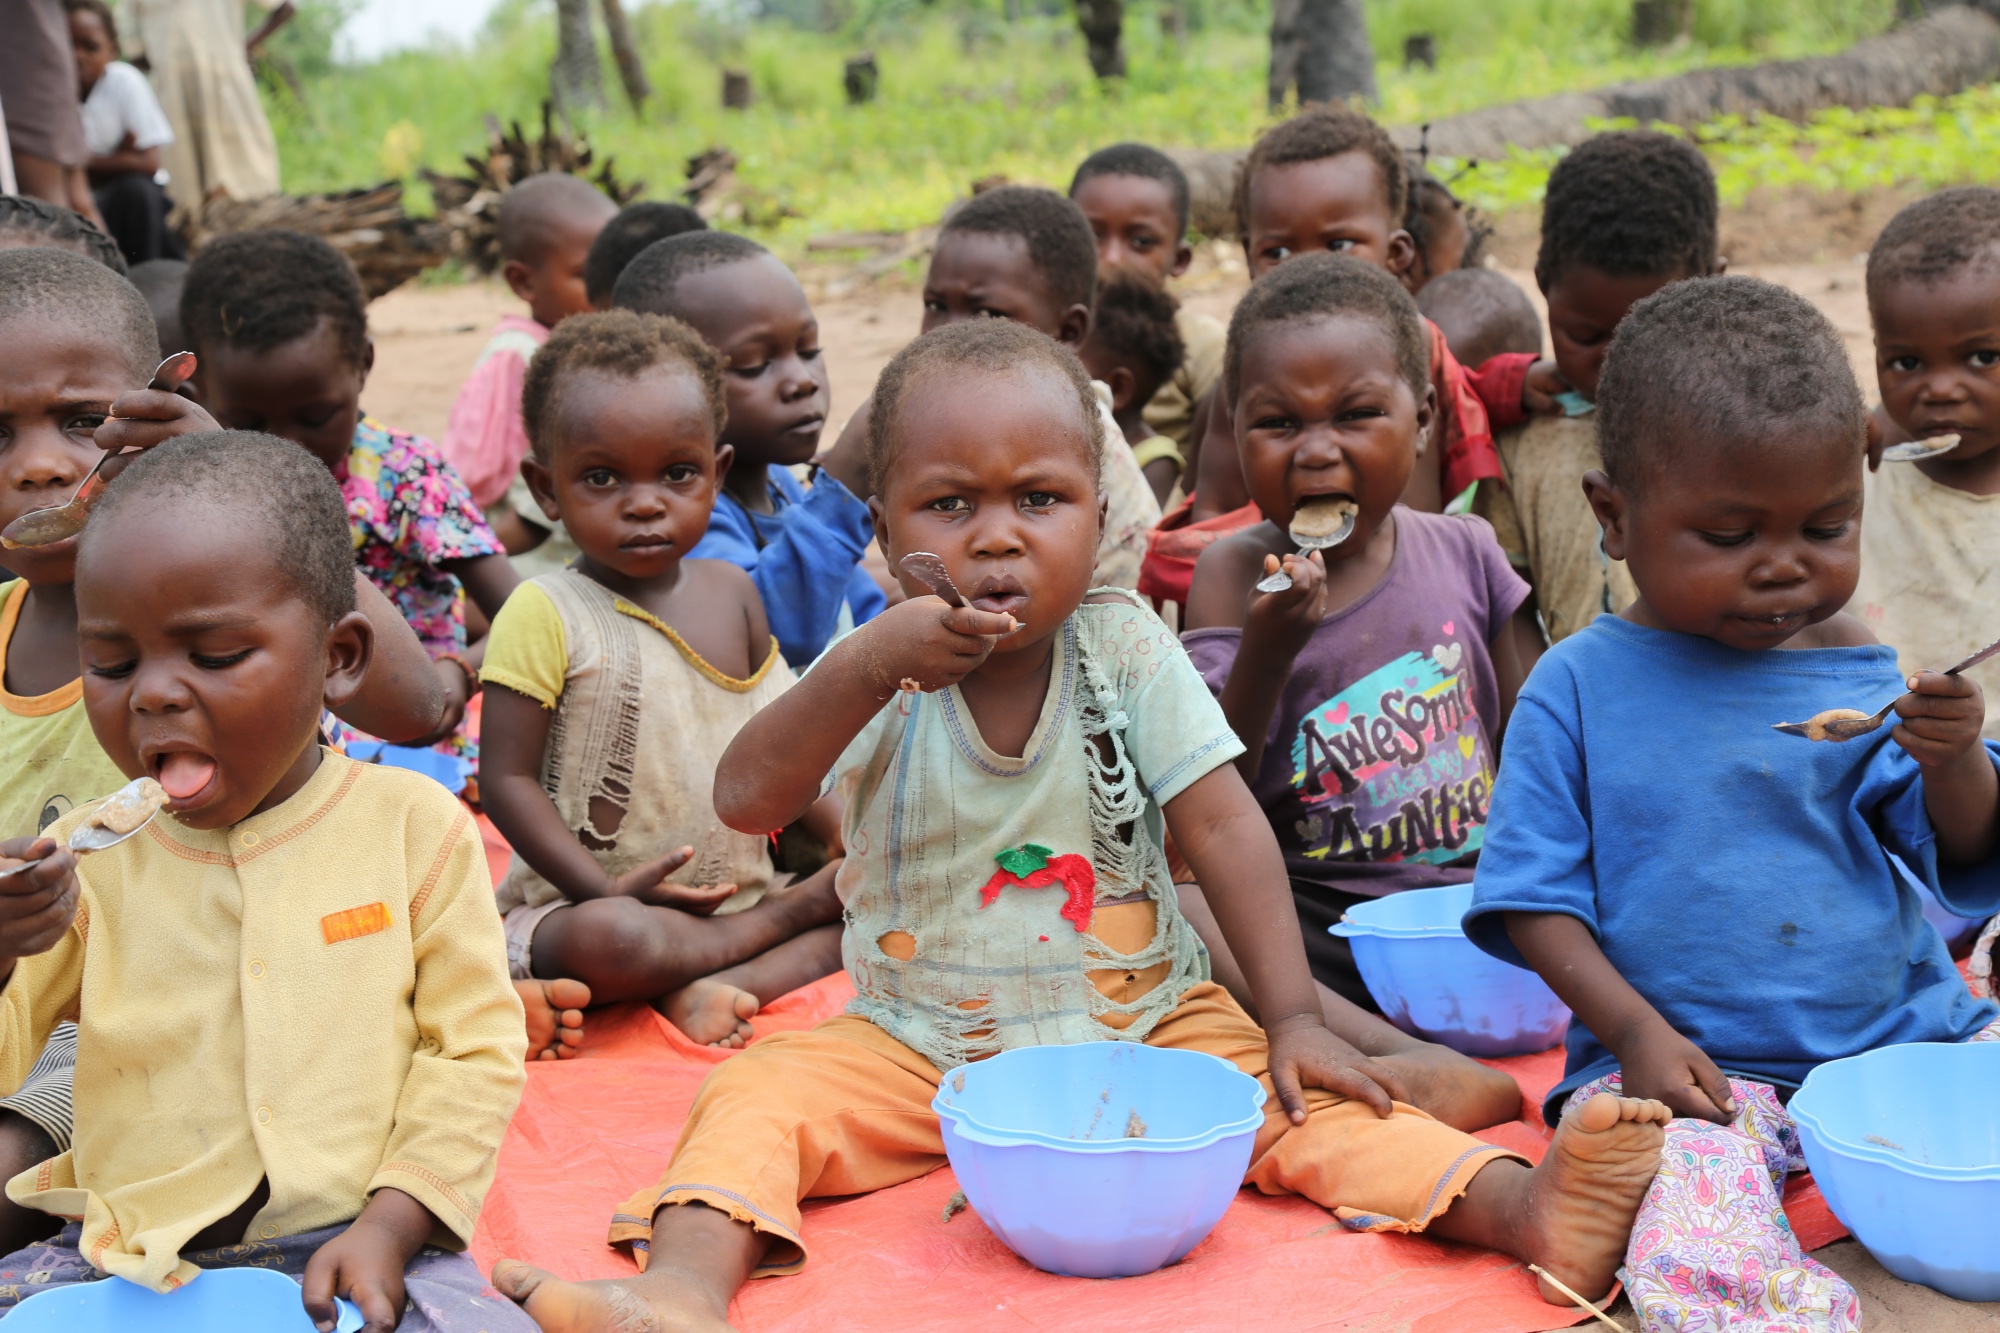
{"x": 574, "y": 80}
{"x": 1320, "y": 47}
{"x": 625, "y": 50}
{"x": 1103, "y": 24}
{"x": 1658, "y": 22}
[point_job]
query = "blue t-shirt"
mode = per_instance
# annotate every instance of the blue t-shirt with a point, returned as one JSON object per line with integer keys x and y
{"x": 1739, "y": 878}
{"x": 804, "y": 557}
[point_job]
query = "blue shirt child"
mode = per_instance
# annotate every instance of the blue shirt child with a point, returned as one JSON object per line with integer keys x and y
{"x": 1739, "y": 878}
{"x": 804, "y": 557}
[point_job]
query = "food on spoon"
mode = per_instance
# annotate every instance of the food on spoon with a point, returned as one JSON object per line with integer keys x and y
{"x": 1828, "y": 726}
{"x": 129, "y": 807}
{"x": 1916, "y": 451}
{"x": 1322, "y": 521}
{"x": 41, "y": 527}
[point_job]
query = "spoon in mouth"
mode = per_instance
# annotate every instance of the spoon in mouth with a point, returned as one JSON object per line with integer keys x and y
{"x": 1916, "y": 451}
{"x": 1844, "y": 724}
{"x": 40, "y": 527}
{"x": 1321, "y": 521}
{"x": 123, "y": 813}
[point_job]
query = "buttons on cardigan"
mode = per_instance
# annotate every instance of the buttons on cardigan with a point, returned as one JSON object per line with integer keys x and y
{"x": 256, "y": 968}
{"x": 269, "y": 1231}
{"x": 263, "y": 1115}
{"x": 249, "y": 838}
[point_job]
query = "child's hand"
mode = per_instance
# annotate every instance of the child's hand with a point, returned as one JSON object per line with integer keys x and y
{"x": 927, "y": 645}
{"x": 1667, "y": 1067}
{"x": 1305, "y": 1055}
{"x": 648, "y": 884}
{"x": 1941, "y": 719}
{"x": 1540, "y": 387}
{"x": 36, "y": 905}
{"x": 1286, "y": 620}
{"x": 365, "y": 1263}
{"x": 152, "y": 415}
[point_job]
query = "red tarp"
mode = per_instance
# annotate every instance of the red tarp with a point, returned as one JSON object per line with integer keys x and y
{"x": 591, "y": 1131}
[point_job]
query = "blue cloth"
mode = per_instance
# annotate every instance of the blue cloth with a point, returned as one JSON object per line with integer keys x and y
{"x": 1739, "y": 878}
{"x": 805, "y": 558}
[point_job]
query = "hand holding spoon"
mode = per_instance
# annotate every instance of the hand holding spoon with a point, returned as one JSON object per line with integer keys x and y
{"x": 40, "y": 527}
{"x": 1321, "y": 521}
{"x": 1844, "y": 724}
{"x": 123, "y": 813}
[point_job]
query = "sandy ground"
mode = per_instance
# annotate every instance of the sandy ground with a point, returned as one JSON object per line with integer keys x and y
{"x": 427, "y": 338}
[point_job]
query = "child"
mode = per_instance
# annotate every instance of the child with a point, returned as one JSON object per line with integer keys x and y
{"x": 221, "y": 1120}
{"x": 1135, "y": 198}
{"x": 547, "y": 225}
{"x": 1930, "y": 543}
{"x": 1482, "y": 314}
{"x": 1371, "y": 695}
{"x": 280, "y": 323}
{"x": 636, "y": 227}
{"x": 1028, "y": 255}
{"x": 1332, "y": 179}
{"x": 1133, "y": 349}
{"x": 616, "y": 685}
{"x": 802, "y": 547}
{"x": 1626, "y": 213}
{"x": 126, "y": 129}
{"x": 1719, "y": 902}
{"x": 985, "y": 443}
{"x": 1443, "y": 235}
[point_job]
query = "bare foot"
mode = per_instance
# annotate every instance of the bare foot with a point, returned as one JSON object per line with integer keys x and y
{"x": 712, "y": 1012}
{"x": 555, "y": 1017}
{"x": 1584, "y": 1195}
{"x": 659, "y": 1300}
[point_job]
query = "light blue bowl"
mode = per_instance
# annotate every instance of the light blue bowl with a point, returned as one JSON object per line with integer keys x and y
{"x": 442, "y": 768}
{"x": 221, "y": 1298}
{"x": 1905, "y": 1145}
{"x": 1434, "y": 983}
{"x": 1039, "y": 1140}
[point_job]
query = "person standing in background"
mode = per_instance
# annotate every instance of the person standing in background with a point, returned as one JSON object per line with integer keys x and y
{"x": 39, "y": 99}
{"x": 125, "y": 129}
{"x": 200, "y": 66}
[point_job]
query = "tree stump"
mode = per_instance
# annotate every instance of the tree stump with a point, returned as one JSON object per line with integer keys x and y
{"x": 1420, "y": 48}
{"x": 736, "y": 89}
{"x": 1658, "y": 22}
{"x": 1103, "y": 26}
{"x": 861, "y": 78}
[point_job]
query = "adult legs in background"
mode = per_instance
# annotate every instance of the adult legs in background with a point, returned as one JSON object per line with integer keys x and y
{"x": 1436, "y": 1079}
{"x": 23, "y": 1146}
{"x": 135, "y": 214}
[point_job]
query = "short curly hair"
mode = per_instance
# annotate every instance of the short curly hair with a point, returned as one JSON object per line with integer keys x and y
{"x": 1060, "y": 243}
{"x": 982, "y": 346}
{"x": 1331, "y": 286}
{"x": 258, "y": 478}
{"x": 64, "y": 287}
{"x": 626, "y": 235}
{"x": 1935, "y": 238}
{"x": 1482, "y": 313}
{"x": 1727, "y": 362}
{"x": 1315, "y": 134}
{"x": 649, "y": 281}
{"x": 259, "y": 290}
{"x": 1134, "y": 321}
{"x": 27, "y": 222}
{"x": 1630, "y": 203}
{"x": 620, "y": 343}
{"x": 1142, "y": 160}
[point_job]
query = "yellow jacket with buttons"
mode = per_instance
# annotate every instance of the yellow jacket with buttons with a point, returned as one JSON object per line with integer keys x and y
{"x": 317, "y": 995}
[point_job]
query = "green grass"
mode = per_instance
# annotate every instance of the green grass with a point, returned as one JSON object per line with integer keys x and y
{"x": 967, "y": 93}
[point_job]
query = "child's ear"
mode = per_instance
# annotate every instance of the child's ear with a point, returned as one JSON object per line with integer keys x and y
{"x": 1402, "y": 253}
{"x": 1426, "y": 418}
{"x": 1183, "y": 256}
{"x": 725, "y": 458}
{"x": 350, "y": 646}
{"x": 541, "y": 485}
{"x": 1124, "y": 386}
{"x": 520, "y": 279}
{"x": 1073, "y": 326}
{"x": 881, "y": 521}
{"x": 367, "y": 358}
{"x": 1608, "y": 503}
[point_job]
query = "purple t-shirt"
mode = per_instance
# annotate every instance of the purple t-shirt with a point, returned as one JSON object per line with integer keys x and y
{"x": 1379, "y": 766}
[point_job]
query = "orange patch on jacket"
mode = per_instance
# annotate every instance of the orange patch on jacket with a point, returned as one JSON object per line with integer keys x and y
{"x": 355, "y": 922}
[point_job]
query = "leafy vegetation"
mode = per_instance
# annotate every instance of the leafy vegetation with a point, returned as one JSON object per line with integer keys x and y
{"x": 971, "y": 88}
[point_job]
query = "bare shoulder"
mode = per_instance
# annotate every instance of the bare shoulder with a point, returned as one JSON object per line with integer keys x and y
{"x": 721, "y": 579}
{"x": 1839, "y": 630}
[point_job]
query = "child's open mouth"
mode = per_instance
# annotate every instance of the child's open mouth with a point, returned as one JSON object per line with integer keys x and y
{"x": 185, "y": 774}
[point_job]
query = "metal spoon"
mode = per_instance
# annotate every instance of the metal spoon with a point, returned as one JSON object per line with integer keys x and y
{"x": 1844, "y": 724}
{"x": 1915, "y": 451}
{"x": 929, "y": 570}
{"x": 89, "y": 837}
{"x": 40, "y": 527}
{"x": 1310, "y": 541}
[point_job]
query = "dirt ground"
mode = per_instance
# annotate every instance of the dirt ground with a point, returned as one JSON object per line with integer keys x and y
{"x": 427, "y": 338}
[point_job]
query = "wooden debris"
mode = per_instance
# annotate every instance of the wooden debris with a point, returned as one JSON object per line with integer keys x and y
{"x": 386, "y": 246}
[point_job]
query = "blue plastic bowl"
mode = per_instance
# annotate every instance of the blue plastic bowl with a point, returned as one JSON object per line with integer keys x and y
{"x": 1904, "y": 1144}
{"x": 1108, "y": 1159}
{"x": 433, "y": 764}
{"x": 1434, "y": 983}
{"x": 221, "y": 1298}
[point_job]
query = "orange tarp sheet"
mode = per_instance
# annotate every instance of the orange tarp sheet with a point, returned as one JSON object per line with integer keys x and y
{"x": 593, "y": 1130}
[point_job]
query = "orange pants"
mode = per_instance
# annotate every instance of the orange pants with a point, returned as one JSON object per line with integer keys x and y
{"x": 846, "y": 1109}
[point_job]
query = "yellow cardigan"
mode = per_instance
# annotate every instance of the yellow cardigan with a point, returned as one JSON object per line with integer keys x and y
{"x": 317, "y": 995}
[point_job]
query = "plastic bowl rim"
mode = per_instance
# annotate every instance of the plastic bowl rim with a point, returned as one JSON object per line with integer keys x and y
{"x": 989, "y": 1135}
{"x": 1865, "y": 1152}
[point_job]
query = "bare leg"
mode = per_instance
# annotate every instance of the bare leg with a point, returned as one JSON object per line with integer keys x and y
{"x": 624, "y": 949}
{"x": 555, "y": 1016}
{"x": 718, "y": 1009}
{"x": 1572, "y": 1214}
{"x": 23, "y": 1144}
{"x": 1436, "y": 1079}
{"x": 699, "y": 1258}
